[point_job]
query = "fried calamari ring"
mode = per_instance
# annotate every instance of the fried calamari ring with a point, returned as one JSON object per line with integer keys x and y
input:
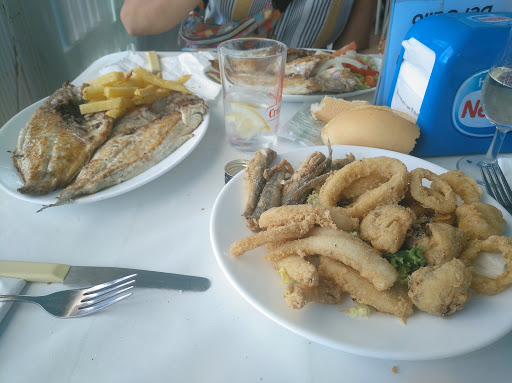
{"x": 390, "y": 192}
{"x": 463, "y": 185}
{"x": 493, "y": 244}
{"x": 441, "y": 199}
{"x": 274, "y": 234}
{"x": 347, "y": 249}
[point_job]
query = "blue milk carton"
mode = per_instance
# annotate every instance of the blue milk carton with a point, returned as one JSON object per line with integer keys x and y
{"x": 442, "y": 66}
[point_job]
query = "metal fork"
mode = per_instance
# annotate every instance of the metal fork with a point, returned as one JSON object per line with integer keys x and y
{"x": 79, "y": 302}
{"x": 497, "y": 185}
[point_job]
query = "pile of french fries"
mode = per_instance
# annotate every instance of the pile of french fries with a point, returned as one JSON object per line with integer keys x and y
{"x": 118, "y": 92}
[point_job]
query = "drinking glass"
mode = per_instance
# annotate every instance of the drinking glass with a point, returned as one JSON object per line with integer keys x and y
{"x": 252, "y": 74}
{"x": 496, "y": 97}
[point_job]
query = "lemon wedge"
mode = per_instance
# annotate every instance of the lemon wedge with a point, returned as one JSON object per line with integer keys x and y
{"x": 246, "y": 120}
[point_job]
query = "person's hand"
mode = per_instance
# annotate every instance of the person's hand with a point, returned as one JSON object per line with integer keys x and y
{"x": 149, "y": 17}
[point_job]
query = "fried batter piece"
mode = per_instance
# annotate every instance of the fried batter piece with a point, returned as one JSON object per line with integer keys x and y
{"x": 480, "y": 220}
{"x": 347, "y": 249}
{"x": 386, "y": 227}
{"x": 298, "y": 295}
{"x": 274, "y": 234}
{"x": 441, "y": 242}
{"x": 393, "y": 300}
{"x": 299, "y": 270}
{"x": 318, "y": 215}
{"x": 441, "y": 290}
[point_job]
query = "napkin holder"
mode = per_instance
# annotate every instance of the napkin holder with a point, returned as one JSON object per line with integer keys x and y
{"x": 442, "y": 65}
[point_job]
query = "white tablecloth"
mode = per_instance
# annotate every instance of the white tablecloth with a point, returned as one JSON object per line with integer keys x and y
{"x": 167, "y": 336}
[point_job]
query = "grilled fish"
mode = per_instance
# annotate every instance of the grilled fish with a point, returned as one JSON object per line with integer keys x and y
{"x": 140, "y": 140}
{"x": 57, "y": 141}
{"x": 337, "y": 80}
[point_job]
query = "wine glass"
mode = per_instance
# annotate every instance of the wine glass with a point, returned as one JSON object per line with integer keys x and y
{"x": 496, "y": 97}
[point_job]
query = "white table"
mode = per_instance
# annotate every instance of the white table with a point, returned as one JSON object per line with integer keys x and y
{"x": 166, "y": 336}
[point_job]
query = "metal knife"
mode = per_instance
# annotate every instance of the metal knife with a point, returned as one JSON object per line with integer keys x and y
{"x": 91, "y": 275}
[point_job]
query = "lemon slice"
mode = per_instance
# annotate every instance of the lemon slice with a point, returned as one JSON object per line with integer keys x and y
{"x": 245, "y": 120}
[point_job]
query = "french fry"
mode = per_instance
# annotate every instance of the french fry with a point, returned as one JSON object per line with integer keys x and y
{"x": 150, "y": 89}
{"x": 154, "y": 63}
{"x": 107, "y": 79}
{"x": 134, "y": 80}
{"x": 148, "y": 76}
{"x": 162, "y": 92}
{"x": 116, "y": 113}
{"x": 183, "y": 79}
{"x": 94, "y": 92}
{"x": 100, "y": 106}
{"x": 119, "y": 91}
{"x": 145, "y": 100}
{"x": 116, "y": 92}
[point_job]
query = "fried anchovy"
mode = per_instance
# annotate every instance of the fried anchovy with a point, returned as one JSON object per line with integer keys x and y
{"x": 307, "y": 171}
{"x": 271, "y": 193}
{"x": 300, "y": 195}
{"x": 341, "y": 162}
{"x": 254, "y": 179}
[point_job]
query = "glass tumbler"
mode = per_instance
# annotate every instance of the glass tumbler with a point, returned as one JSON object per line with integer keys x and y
{"x": 252, "y": 73}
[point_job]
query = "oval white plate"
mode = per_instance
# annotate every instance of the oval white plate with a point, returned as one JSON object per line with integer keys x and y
{"x": 482, "y": 321}
{"x": 10, "y": 179}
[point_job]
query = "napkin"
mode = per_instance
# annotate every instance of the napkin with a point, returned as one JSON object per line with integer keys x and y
{"x": 9, "y": 286}
{"x": 172, "y": 68}
{"x": 506, "y": 167}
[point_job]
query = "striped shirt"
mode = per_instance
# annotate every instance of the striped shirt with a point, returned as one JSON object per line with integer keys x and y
{"x": 304, "y": 24}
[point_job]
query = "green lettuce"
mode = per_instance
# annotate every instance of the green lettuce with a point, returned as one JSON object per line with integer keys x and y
{"x": 406, "y": 262}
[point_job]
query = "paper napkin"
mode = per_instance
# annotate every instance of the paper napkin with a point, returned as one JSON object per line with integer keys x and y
{"x": 172, "y": 68}
{"x": 9, "y": 286}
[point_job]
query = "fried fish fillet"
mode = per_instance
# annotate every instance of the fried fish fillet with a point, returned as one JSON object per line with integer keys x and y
{"x": 57, "y": 141}
{"x": 135, "y": 148}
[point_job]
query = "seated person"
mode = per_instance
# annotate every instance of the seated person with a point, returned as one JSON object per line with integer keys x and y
{"x": 303, "y": 24}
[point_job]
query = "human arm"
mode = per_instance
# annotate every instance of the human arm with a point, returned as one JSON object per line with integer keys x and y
{"x": 359, "y": 25}
{"x": 148, "y": 17}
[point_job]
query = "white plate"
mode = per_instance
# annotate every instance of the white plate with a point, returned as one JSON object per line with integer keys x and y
{"x": 10, "y": 180}
{"x": 482, "y": 321}
{"x": 311, "y": 98}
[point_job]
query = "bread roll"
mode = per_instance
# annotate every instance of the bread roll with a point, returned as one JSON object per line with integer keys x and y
{"x": 376, "y": 127}
{"x": 329, "y": 107}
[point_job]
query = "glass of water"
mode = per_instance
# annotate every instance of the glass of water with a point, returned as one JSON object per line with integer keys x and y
{"x": 252, "y": 74}
{"x": 496, "y": 97}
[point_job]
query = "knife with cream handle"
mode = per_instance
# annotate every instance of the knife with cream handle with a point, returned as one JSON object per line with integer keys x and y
{"x": 91, "y": 275}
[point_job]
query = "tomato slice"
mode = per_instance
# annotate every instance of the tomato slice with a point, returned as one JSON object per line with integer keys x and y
{"x": 370, "y": 80}
{"x": 366, "y": 71}
{"x": 352, "y": 46}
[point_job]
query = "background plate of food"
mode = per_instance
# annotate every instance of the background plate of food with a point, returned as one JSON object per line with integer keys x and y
{"x": 85, "y": 145}
{"x": 311, "y": 74}
{"x": 476, "y": 323}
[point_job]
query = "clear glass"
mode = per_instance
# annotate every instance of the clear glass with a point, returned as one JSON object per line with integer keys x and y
{"x": 496, "y": 97}
{"x": 252, "y": 74}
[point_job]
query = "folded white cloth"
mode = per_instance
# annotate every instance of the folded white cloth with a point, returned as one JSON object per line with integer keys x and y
{"x": 9, "y": 286}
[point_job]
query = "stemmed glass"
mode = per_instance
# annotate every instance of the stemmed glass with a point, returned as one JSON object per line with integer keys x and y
{"x": 496, "y": 97}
